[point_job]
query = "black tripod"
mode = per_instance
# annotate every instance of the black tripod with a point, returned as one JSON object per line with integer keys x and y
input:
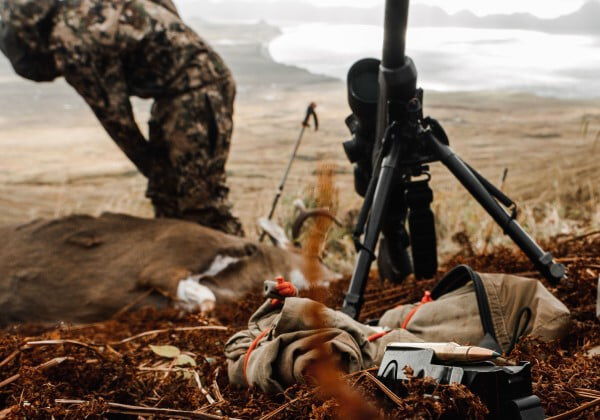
{"x": 385, "y": 100}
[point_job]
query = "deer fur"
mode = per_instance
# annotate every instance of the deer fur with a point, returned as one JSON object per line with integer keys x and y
{"x": 82, "y": 269}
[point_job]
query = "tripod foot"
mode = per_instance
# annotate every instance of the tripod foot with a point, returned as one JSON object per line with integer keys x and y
{"x": 552, "y": 270}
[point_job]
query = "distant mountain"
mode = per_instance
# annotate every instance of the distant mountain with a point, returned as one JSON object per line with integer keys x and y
{"x": 584, "y": 21}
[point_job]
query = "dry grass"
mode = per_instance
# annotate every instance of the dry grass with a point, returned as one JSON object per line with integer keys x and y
{"x": 313, "y": 244}
{"x": 558, "y": 198}
{"x": 459, "y": 218}
{"x": 590, "y": 125}
{"x": 73, "y": 167}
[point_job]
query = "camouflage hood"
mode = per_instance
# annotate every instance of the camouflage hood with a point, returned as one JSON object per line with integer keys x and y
{"x": 24, "y": 37}
{"x": 24, "y": 18}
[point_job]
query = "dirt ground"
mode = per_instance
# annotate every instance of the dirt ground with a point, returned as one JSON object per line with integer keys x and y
{"x": 109, "y": 367}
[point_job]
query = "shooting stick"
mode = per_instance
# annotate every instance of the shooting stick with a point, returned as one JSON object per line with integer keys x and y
{"x": 310, "y": 112}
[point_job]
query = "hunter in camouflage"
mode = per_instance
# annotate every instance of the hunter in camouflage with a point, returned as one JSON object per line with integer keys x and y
{"x": 109, "y": 50}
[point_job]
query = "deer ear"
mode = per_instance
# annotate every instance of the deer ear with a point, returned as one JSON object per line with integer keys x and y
{"x": 275, "y": 232}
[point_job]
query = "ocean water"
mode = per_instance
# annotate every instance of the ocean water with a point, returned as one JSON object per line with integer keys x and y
{"x": 456, "y": 59}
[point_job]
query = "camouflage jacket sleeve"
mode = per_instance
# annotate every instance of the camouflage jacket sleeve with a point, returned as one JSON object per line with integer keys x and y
{"x": 102, "y": 85}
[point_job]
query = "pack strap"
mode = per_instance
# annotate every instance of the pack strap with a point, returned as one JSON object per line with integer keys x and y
{"x": 457, "y": 278}
{"x": 253, "y": 347}
{"x": 378, "y": 335}
{"x": 425, "y": 299}
{"x": 522, "y": 323}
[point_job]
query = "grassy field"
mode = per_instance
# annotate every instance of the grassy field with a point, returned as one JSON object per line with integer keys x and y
{"x": 71, "y": 166}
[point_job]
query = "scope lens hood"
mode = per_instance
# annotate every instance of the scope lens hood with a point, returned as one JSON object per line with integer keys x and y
{"x": 363, "y": 88}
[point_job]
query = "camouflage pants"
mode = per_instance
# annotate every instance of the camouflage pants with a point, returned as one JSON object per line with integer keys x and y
{"x": 190, "y": 136}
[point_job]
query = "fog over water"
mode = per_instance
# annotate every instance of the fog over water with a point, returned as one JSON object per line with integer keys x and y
{"x": 548, "y": 47}
{"x": 456, "y": 59}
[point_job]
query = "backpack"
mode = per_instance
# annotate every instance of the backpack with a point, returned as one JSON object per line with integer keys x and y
{"x": 489, "y": 310}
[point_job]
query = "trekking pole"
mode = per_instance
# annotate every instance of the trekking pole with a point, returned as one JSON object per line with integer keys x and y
{"x": 310, "y": 112}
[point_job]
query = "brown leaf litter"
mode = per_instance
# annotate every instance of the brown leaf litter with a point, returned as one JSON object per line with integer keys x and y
{"x": 109, "y": 367}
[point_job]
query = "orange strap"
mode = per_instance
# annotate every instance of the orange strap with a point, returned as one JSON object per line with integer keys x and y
{"x": 425, "y": 299}
{"x": 252, "y": 347}
{"x": 378, "y": 335}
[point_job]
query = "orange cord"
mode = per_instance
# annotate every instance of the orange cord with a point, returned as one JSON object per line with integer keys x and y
{"x": 377, "y": 336}
{"x": 425, "y": 299}
{"x": 251, "y": 349}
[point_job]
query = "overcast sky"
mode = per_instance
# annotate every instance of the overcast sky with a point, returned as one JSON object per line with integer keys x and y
{"x": 541, "y": 8}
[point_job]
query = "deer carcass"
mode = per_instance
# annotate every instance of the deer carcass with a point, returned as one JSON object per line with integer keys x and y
{"x": 84, "y": 269}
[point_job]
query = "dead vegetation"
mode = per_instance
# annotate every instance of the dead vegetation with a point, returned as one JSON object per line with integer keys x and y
{"x": 110, "y": 367}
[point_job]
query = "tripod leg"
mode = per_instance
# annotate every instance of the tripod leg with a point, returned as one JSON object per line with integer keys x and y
{"x": 394, "y": 262}
{"x": 421, "y": 223}
{"x": 393, "y": 259}
{"x": 543, "y": 261}
{"x": 366, "y": 255}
